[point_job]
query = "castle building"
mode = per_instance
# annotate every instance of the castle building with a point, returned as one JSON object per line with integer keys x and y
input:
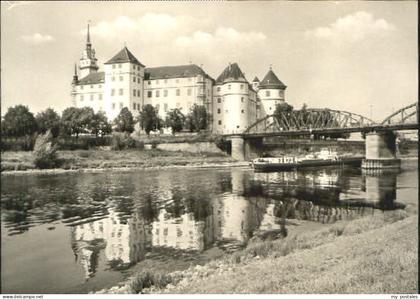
{"x": 232, "y": 102}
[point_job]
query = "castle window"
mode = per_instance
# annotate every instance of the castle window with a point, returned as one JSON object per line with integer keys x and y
{"x": 165, "y": 107}
{"x": 157, "y": 107}
{"x": 119, "y": 65}
{"x": 237, "y": 127}
{"x": 149, "y": 82}
{"x": 91, "y": 97}
{"x": 218, "y": 88}
{"x": 91, "y": 86}
{"x": 81, "y": 87}
{"x": 112, "y": 92}
{"x": 220, "y": 122}
{"x": 113, "y": 66}
{"x": 242, "y": 99}
{"x": 134, "y": 106}
{"x": 165, "y": 93}
{"x": 178, "y": 92}
{"x": 81, "y": 98}
{"x": 267, "y": 93}
{"x": 113, "y": 106}
{"x": 149, "y": 94}
{"x": 121, "y": 78}
{"x": 243, "y": 111}
{"x": 219, "y": 100}
{"x": 134, "y": 79}
{"x": 113, "y": 78}
{"x": 229, "y": 86}
{"x": 138, "y": 93}
{"x": 242, "y": 86}
{"x": 134, "y": 93}
{"x": 138, "y": 80}
{"x": 218, "y": 111}
{"x": 121, "y": 91}
{"x": 189, "y": 91}
{"x": 99, "y": 86}
{"x": 100, "y": 96}
{"x": 157, "y": 93}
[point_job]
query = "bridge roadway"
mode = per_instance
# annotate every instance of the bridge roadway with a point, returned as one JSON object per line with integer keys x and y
{"x": 303, "y": 132}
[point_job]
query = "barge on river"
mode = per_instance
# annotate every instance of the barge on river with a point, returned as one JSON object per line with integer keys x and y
{"x": 324, "y": 158}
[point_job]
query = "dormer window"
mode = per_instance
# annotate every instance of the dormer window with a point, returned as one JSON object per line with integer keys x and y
{"x": 267, "y": 93}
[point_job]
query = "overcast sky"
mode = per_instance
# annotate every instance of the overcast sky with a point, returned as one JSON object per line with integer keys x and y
{"x": 341, "y": 55}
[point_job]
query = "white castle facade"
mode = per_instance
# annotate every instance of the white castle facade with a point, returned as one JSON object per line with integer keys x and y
{"x": 232, "y": 102}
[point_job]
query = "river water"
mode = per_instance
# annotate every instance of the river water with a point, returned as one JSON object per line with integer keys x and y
{"x": 76, "y": 233}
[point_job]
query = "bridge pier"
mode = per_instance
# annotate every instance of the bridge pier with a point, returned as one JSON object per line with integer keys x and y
{"x": 246, "y": 149}
{"x": 381, "y": 151}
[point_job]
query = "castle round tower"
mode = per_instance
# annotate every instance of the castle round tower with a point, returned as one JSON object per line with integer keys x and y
{"x": 231, "y": 101}
{"x": 271, "y": 93}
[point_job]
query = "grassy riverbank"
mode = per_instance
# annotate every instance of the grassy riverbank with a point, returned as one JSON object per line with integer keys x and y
{"x": 97, "y": 159}
{"x": 375, "y": 254}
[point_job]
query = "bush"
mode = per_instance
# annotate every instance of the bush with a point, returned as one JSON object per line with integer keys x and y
{"x": 45, "y": 152}
{"x": 24, "y": 143}
{"x": 122, "y": 141}
{"x": 223, "y": 144}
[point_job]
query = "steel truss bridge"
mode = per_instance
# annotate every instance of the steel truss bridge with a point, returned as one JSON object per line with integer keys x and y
{"x": 328, "y": 121}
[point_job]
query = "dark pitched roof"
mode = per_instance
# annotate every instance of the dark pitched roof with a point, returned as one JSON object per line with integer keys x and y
{"x": 124, "y": 56}
{"x": 177, "y": 71}
{"x": 93, "y": 78}
{"x": 231, "y": 73}
{"x": 271, "y": 81}
{"x": 256, "y": 79}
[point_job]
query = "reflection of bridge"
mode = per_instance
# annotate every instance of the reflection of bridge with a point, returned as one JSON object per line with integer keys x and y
{"x": 380, "y": 140}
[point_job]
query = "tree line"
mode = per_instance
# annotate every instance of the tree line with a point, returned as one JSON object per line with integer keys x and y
{"x": 19, "y": 121}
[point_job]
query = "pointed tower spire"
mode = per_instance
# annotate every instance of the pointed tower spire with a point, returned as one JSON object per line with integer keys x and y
{"x": 88, "y": 35}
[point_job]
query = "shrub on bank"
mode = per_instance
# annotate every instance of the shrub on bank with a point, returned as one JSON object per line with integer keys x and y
{"x": 122, "y": 141}
{"x": 44, "y": 153}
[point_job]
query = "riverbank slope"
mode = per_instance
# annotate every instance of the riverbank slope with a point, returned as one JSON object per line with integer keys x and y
{"x": 102, "y": 159}
{"x": 374, "y": 254}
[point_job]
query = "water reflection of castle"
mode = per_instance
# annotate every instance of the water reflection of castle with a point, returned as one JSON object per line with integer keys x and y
{"x": 260, "y": 202}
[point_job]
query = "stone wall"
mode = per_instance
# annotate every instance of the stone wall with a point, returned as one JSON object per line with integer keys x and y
{"x": 197, "y": 147}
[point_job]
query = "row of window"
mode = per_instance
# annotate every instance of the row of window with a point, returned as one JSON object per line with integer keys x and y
{"x": 268, "y": 93}
{"x": 165, "y": 81}
{"x": 226, "y": 111}
{"x": 91, "y": 86}
{"x": 91, "y": 97}
{"x": 135, "y": 67}
{"x": 165, "y": 106}
{"x": 136, "y": 106}
{"x": 166, "y": 92}
{"x": 230, "y": 87}
{"x": 220, "y": 123}
{"x": 219, "y": 100}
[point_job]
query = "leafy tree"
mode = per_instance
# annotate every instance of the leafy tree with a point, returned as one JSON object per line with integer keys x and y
{"x": 77, "y": 120}
{"x": 19, "y": 121}
{"x": 48, "y": 120}
{"x": 124, "y": 122}
{"x": 197, "y": 118}
{"x": 100, "y": 125}
{"x": 175, "y": 120}
{"x": 148, "y": 119}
